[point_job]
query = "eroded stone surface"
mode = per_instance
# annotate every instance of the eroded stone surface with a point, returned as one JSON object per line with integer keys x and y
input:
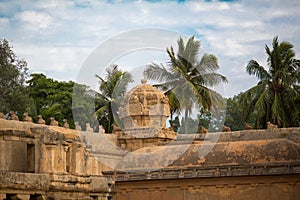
{"x": 50, "y": 161}
{"x": 39, "y": 161}
{"x": 144, "y": 106}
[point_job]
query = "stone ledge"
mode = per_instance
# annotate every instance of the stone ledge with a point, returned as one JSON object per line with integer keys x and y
{"x": 292, "y": 134}
{"x": 54, "y": 182}
{"x": 26, "y": 181}
{"x": 201, "y": 172}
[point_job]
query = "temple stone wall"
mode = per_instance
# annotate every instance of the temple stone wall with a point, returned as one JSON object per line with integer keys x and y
{"x": 231, "y": 188}
{"x": 14, "y": 159}
{"x": 44, "y": 162}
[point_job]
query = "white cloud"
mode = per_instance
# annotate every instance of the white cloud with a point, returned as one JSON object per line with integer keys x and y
{"x": 65, "y": 62}
{"x": 223, "y": 6}
{"x": 56, "y": 36}
{"x": 4, "y": 20}
{"x": 34, "y": 18}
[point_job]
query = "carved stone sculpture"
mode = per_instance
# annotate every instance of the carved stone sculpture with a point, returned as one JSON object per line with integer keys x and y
{"x": 66, "y": 124}
{"x": 26, "y": 118}
{"x": 13, "y": 116}
{"x": 53, "y": 122}
{"x": 226, "y": 129}
{"x": 77, "y": 126}
{"x": 203, "y": 130}
{"x": 144, "y": 106}
{"x": 88, "y": 128}
{"x": 271, "y": 126}
{"x": 247, "y": 126}
{"x": 164, "y": 100}
{"x": 41, "y": 120}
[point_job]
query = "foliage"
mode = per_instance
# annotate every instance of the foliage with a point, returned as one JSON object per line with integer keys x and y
{"x": 191, "y": 123}
{"x": 234, "y": 114}
{"x": 13, "y": 74}
{"x": 112, "y": 88}
{"x": 204, "y": 117}
{"x": 186, "y": 79}
{"x": 175, "y": 123}
{"x": 51, "y": 98}
{"x": 275, "y": 96}
{"x": 173, "y": 103}
{"x": 83, "y": 106}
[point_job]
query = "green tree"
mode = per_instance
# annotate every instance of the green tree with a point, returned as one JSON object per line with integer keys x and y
{"x": 274, "y": 97}
{"x": 234, "y": 114}
{"x": 191, "y": 123}
{"x": 175, "y": 123}
{"x": 83, "y": 105}
{"x": 187, "y": 77}
{"x": 13, "y": 74}
{"x": 204, "y": 117}
{"x": 173, "y": 103}
{"x": 51, "y": 98}
{"x": 111, "y": 88}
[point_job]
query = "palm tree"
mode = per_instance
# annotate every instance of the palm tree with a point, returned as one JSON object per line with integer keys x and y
{"x": 173, "y": 103}
{"x": 187, "y": 77}
{"x": 111, "y": 89}
{"x": 273, "y": 98}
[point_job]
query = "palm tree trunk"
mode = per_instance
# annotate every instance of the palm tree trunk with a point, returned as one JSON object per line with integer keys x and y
{"x": 186, "y": 114}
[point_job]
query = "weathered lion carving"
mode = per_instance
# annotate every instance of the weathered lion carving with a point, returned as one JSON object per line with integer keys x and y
{"x": 53, "y": 122}
{"x": 26, "y": 117}
{"x": 202, "y": 129}
{"x": 226, "y": 129}
{"x": 271, "y": 126}
{"x": 41, "y": 120}
{"x": 247, "y": 126}
{"x": 66, "y": 124}
{"x": 13, "y": 116}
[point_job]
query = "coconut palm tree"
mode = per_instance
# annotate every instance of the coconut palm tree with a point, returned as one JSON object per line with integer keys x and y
{"x": 273, "y": 98}
{"x": 186, "y": 76}
{"x": 111, "y": 89}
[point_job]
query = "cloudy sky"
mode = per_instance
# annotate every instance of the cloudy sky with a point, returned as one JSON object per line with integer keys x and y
{"x": 59, "y": 38}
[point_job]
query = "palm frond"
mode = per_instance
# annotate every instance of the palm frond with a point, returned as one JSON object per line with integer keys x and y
{"x": 120, "y": 86}
{"x": 102, "y": 109}
{"x": 211, "y": 79}
{"x": 157, "y": 72}
{"x": 278, "y": 113}
{"x": 208, "y": 63}
{"x": 250, "y": 97}
{"x": 253, "y": 68}
{"x": 186, "y": 77}
{"x": 191, "y": 51}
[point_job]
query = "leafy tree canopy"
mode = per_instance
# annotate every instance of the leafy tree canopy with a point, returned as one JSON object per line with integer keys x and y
{"x": 51, "y": 98}
{"x": 186, "y": 78}
{"x": 13, "y": 74}
{"x": 234, "y": 114}
{"x": 111, "y": 89}
{"x": 276, "y": 96}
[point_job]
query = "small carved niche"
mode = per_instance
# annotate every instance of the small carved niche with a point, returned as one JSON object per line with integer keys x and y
{"x": 30, "y": 163}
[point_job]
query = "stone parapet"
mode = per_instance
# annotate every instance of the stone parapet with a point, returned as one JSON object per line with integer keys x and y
{"x": 292, "y": 134}
{"x": 202, "y": 171}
